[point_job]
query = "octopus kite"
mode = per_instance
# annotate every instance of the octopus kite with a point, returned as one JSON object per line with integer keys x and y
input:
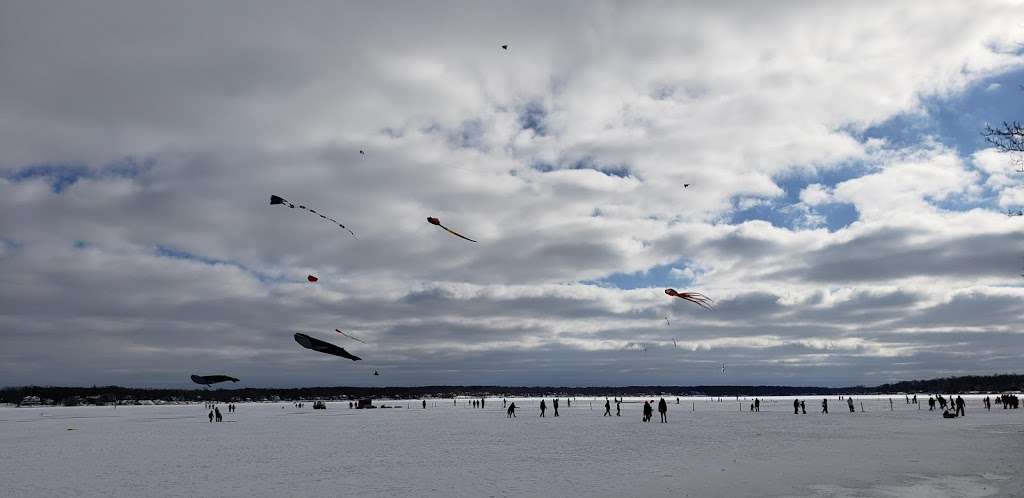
{"x": 276, "y": 199}
{"x": 435, "y": 221}
{"x": 693, "y": 297}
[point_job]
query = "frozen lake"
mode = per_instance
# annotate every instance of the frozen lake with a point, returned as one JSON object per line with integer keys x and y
{"x": 708, "y": 448}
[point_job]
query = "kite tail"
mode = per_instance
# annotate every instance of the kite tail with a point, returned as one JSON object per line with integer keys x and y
{"x": 457, "y": 234}
{"x": 698, "y": 299}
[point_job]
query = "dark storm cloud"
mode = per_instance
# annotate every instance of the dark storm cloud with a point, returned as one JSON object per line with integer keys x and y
{"x": 893, "y": 254}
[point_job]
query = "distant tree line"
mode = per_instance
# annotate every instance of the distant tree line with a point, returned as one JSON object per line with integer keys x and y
{"x": 971, "y": 383}
{"x": 118, "y": 394}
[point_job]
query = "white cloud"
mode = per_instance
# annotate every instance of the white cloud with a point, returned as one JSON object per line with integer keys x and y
{"x": 815, "y": 194}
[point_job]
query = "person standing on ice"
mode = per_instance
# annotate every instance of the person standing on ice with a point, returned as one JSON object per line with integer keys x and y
{"x": 824, "y": 405}
{"x": 217, "y": 415}
{"x": 618, "y": 407}
{"x": 663, "y": 410}
{"x": 803, "y": 407}
{"x": 554, "y": 404}
{"x": 959, "y": 406}
{"x": 796, "y": 406}
{"x": 849, "y": 402}
{"x": 511, "y": 410}
{"x": 211, "y": 416}
{"x": 543, "y": 407}
{"x": 424, "y": 404}
{"x": 607, "y": 408}
{"x": 757, "y": 405}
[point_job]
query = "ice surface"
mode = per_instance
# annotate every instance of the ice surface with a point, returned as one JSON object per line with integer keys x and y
{"x": 707, "y": 449}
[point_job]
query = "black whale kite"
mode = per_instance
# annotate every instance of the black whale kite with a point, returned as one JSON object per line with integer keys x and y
{"x": 212, "y": 379}
{"x": 323, "y": 346}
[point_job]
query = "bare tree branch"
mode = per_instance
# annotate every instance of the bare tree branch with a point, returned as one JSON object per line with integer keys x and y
{"x": 1007, "y": 138}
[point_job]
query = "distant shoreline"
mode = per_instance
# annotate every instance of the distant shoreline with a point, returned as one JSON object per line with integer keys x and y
{"x": 112, "y": 394}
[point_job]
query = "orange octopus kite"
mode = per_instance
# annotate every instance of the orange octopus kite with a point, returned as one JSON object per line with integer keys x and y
{"x": 693, "y": 297}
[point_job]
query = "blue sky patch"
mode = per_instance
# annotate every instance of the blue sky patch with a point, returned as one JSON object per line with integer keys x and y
{"x": 780, "y": 211}
{"x": 168, "y": 252}
{"x": 957, "y": 122}
{"x": 618, "y": 171}
{"x": 657, "y": 276}
{"x": 61, "y": 177}
{"x": 531, "y": 117}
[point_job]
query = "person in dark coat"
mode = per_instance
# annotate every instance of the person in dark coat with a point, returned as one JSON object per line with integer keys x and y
{"x": 824, "y": 406}
{"x": 663, "y": 410}
{"x": 554, "y": 403}
{"x": 959, "y": 406}
{"x": 607, "y": 408}
{"x": 543, "y": 407}
{"x": 511, "y": 410}
{"x": 796, "y": 406}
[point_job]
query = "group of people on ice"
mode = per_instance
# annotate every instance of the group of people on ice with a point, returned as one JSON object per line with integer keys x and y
{"x": 649, "y": 411}
{"x": 215, "y": 412}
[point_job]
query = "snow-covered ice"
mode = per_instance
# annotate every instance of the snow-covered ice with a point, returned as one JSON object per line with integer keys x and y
{"x": 707, "y": 449}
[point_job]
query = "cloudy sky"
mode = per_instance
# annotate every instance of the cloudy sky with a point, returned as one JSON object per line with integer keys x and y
{"x": 844, "y": 212}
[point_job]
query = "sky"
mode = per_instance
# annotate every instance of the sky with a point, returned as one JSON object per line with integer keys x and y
{"x": 844, "y": 212}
